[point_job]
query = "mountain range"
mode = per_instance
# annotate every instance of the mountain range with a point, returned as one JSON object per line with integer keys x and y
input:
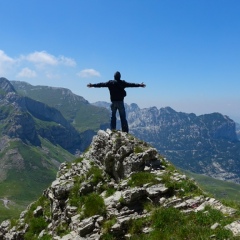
{"x": 206, "y": 144}
{"x": 42, "y": 126}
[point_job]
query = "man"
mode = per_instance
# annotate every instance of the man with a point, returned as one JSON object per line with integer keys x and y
{"x": 117, "y": 93}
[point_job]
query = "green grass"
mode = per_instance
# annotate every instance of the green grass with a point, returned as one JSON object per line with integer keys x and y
{"x": 15, "y": 208}
{"x": 141, "y": 178}
{"x": 96, "y": 175}
{"x": 138, "y": 149}
{"x": 74, "y": 197}
{"x": 217, "y": 188}
{"x": 110, "y": 191}
{"x": 62, "y": 229}
{"x": 81, "y": 114}
{"x": 94, "y": 205}
{"x": 24, "y": 185}
{"x": 108, "y": 224}
{"x": 170, "y": 223}
{"x": 37, "y": 224}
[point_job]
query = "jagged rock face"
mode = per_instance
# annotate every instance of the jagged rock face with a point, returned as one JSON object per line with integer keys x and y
{"x": 119, "y": 157}
{"x": 23, "y": 126}
{"x": 238, "y": 130}
{"x": 206, "y": 144}
{"x": 5, "y": 85}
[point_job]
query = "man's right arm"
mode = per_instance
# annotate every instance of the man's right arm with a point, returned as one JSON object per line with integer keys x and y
{"x": 98, "y": 85}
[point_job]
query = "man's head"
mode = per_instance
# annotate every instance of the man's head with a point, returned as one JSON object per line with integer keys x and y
{"x": 117, "y": 75}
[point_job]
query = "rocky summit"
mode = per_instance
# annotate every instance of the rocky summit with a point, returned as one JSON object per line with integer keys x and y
{"x": 122, "y": 188}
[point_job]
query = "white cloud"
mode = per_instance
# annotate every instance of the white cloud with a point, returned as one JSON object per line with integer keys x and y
{"x": 67, "y": 61}
{"x": 5, "y": 58}
{"x": 41, "y": 58}
{"x": 35, "y": 64}
{"x": 26, "y": 72}
{"x": 5, "y": 62}
{"x": 44, "y": 58}
{"x": 87, "y": 73}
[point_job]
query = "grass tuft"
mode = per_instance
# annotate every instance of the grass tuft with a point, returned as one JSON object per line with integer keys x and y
{"x": 94, "y": 205}
{"x": 141, "y": 178}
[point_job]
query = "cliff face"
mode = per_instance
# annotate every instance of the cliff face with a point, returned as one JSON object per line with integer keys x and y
{"x": 205, "y": 144}
{"x": 238, "y": 130}
{"x": 5, "y": 86}
{"x": 118, "y": 189}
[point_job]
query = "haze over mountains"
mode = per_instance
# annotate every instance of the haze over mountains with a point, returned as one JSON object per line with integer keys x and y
{"x": 205, "y": 144}
{"x": 43, "y": 126}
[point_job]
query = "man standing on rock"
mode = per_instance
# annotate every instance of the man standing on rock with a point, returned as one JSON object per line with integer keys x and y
{"x": 117, "y": 93}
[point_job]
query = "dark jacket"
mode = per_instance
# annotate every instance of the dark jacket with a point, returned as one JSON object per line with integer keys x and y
{"x": 116, "y": 88}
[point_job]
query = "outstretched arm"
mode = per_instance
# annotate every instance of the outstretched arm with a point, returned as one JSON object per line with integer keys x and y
{"x": 98, "y": 85}
{"x": 134, "y": 84}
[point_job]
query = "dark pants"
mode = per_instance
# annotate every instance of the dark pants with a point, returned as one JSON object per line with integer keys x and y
{"x": 119, "y": 105}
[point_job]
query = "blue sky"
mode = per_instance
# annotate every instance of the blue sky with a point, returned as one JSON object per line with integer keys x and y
{"x": 187, "y": 52}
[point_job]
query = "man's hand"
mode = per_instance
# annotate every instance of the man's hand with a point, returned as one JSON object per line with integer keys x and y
{"x": 89, "y": 85}
{"x": 142, "y": 85}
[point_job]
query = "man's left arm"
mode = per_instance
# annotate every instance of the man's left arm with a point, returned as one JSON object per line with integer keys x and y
{"x": 134, "y": 84}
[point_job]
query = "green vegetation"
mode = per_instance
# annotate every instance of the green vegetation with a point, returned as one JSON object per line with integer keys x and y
{"x": 74, "y": 198}
{"x": 183, "y": 187}
{"x": 95, "y": 174}
{"x": 140, "y": 178}
{"x": 14, "y": 209}
{"x": 36, "y": 226}
{"x": 170, "y": 223}
{"x": 93, "y": 205}
{"x": 223, "y": 190}
{"x": 122, "y": 200}
{"x": 27, "y": 179}
{"x": 75, "y": 109}
{"x": 78, "y": 160}
{"x": 110, "y": 191}
{"x": 5, "y": 116}
{"x": 37, "y": 223}
{"x": 106, "y": 228}
{"x": 108, "y": 224}
{"x": 138, "y": 149}
{"x": 92, "y": 202}
{"x": 62, "y": 229}
{"x": 40, "y": 124}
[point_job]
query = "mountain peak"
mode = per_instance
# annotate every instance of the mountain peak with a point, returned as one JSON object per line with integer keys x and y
{"x": 6, "y": 86}
{"x": 117, "y": 189}
{"x": 120, "y": 154}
